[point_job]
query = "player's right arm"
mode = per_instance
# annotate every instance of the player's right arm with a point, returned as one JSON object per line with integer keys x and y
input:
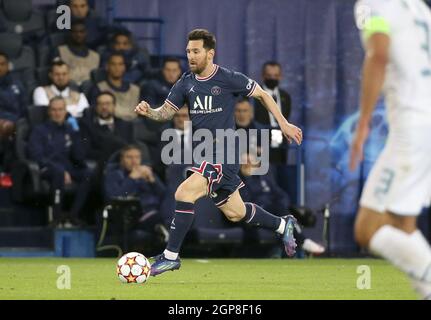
{"x": 377, "y": 41}
{"x": 163, "y": 113}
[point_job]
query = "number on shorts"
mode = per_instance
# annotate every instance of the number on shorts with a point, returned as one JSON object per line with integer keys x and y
{"x": 385, "y": 183}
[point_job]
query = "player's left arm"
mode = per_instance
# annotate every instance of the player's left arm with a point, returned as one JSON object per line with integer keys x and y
{"x": 289, "y": 130}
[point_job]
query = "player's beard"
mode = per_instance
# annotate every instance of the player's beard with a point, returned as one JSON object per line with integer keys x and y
{"x": 199, "y": 68}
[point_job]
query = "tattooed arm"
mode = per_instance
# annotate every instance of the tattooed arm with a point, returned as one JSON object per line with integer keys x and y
{"x": 164, "y": 113}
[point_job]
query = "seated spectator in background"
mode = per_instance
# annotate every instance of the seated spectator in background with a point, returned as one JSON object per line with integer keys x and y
{"x": 96, "y": 26}
{"x": 57, "y": 148}
{"x": 156, "y": 90}
{"x": 126, "y": 93}
{"x": 13, "y": 102}
{"x": 102, "y": 132}
{"x": 244, "y": 119}
{"x": 137, "y": 59}
{"x": 265, "y": 192}
{"x": 132, "y": 179}
{"x": 13, "y": 99}
{"x": 177, "y": 123}
{"x": 59, "y": 74}
{"x": 76, "y": 54}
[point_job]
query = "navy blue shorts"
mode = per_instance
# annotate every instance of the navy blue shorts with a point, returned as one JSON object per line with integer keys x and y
{"x": 223, "y": 180}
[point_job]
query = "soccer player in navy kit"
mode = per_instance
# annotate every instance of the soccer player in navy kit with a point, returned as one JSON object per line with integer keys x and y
{"x": 210, "y": 92}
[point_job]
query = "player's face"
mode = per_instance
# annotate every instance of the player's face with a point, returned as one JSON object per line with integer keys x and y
{"x": 60, "y": 76}
{"x": 131, "y": 159}
{"x": 105, "y": 106}
{"x": 198, "y": 56}
{"x": 243, "y": 114}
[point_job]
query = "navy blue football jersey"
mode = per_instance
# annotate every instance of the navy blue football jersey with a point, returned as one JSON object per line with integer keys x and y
{"x": 211, "y": 100}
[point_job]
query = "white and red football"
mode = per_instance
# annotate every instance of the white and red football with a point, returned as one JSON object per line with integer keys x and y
{"x": 133, "y": 267}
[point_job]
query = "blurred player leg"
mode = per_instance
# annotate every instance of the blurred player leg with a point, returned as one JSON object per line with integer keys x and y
{"x": 396, "y": 239}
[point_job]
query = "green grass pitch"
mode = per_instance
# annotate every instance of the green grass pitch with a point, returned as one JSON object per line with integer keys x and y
{"x": 237, "y": 279}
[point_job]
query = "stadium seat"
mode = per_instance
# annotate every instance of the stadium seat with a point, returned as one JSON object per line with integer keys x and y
{"x": 42, "y": 76}
{"x": 43, "y": 53}
{"x": 57, "y": 39}
{"x": 21, "y": 58}
{"x": 19, "y": 17}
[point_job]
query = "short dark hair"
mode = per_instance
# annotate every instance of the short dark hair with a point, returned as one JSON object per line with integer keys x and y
{"x": 203, "y": 34}
{"x": 128, "y": 148}
{"x": 171, "y": 59}
{"x": 4, "y": 54}
{"x": 271, "y": 63}
{"x": 106, "y": 93}
{"x": 57, "y": 62}
{"x": 121, "y": 32}
{"x": 116, "y": 54}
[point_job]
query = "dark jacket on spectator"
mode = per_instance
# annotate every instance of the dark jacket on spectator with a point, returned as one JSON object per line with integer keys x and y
{"x": 13, "y": 99}
{"x": 156, "y": 91}
{"x": 119, "y": 184}
{"x": 100, "y": 141}
{"x": 56, "y": 147}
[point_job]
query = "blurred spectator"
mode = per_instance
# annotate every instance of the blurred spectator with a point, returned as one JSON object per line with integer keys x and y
{"x": 177, "y": 123}
{"x": 96, "y": 27}
{"x": 265, "y": 192}
{"x": 102, "y": 132}
{"x": 129, "y": 178}
{"x": 13, "y": 102}
{"x": 137, "y": 59}
{"x": 61, "y": 86}
{"x": 126, "y": 93}
{"x": 56, "y": 147}
{"x": 156, "y": 90}
{"x": 13, "y": 99}
{"x": 271, "y": 76}
{"x": 244, "y": 119}
{"x": 76, "y": 54}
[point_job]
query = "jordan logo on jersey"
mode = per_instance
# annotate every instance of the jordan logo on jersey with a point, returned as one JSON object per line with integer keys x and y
{"x": 204, "y": 105}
